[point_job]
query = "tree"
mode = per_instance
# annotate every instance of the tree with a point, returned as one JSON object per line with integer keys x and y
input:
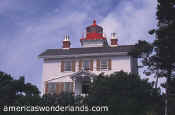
{"x": 17, "y": 92}
{"x": 164, "y": 44}
{"x": 62, "y": 99}
{"x": 171, "y": 96}
{"x": 125, "y": 94}
{"x": 161, "y": 62}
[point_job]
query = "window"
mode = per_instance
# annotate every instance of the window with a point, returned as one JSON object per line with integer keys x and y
{"x": 104, "y": 64}
{"x": 51, "y": 88}
{"x": 68, "y": 66}
{"x": 86, "y": 64}
{"x": 59, "y": 87}
{"x": 68, "y": 87}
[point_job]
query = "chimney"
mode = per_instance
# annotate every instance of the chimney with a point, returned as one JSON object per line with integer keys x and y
{"x": 66, "y": 42}
{"x": 114, "y": 40}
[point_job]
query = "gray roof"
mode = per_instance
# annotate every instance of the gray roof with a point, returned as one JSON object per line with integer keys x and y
{"x": 88, "y": 50}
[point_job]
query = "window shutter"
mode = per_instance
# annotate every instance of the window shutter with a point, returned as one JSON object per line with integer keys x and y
{"x": 109, "y": 64}
{"x": 73, "y": 66}
{"x": 59, "y": 87}
{"x": 46, "y": 87}
{"x": 91, "y": 65}
{"x": 72, "y": 86}
{"x": 80, "y": 65}
{"x": 98, "y": 65}
{"x": 62, "y": 66}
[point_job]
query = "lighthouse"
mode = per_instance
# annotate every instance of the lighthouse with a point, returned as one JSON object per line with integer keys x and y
{"x": 72, "y": 70}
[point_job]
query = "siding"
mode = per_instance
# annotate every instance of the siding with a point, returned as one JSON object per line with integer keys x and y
{"x": 53, "y": 68}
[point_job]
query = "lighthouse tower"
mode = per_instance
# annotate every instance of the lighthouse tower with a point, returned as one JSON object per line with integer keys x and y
{"x": 94, "y": 37}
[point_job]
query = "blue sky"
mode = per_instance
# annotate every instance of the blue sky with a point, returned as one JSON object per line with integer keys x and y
{"x": 28, "y": 27}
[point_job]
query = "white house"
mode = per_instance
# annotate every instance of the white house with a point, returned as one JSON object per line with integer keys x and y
{"x": 71, "y": 69}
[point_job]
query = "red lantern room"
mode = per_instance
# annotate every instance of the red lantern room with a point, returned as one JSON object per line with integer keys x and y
{"x": 94, "y": 36}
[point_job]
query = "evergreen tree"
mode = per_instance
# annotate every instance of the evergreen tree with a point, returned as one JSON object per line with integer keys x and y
{"x": 161, "y": 62}
{"x": 165, "y": 48}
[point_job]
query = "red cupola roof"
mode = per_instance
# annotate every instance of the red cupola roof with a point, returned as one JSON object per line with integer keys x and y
{"x": 94, "y": 32}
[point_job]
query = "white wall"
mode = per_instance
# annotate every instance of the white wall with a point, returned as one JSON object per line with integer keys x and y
{"x": 52, "y": 68}
{"x": 120, "y": 63}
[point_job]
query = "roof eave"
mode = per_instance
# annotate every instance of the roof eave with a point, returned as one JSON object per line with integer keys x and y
{"x": 84, "y": 55}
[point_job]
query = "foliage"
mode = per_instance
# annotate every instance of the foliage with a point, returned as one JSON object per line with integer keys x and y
{"x": 17, "y": 92}
{"x": 125, "y": 94}
{"x": 161, "y": 62}
{"x": 165, "y": 48}
{"x": 142, "y": 49}
{"x": 62, "y": 99}
{"x": 171, "y": 97}
{"x": 160, "y": 55}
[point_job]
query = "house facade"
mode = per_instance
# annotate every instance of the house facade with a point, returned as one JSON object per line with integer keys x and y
{"x": 72, "y": 69}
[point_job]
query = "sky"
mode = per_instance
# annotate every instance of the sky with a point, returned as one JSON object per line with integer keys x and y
{"x": 29, "y": 27}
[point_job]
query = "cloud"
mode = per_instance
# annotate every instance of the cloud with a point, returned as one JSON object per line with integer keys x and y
{"x": 21, "y": 53}
{"x": 130, "y": 22}
{"x": 46, "y": 23}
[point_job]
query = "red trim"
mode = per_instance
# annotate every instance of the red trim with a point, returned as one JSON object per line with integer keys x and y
{"x": 93, "y": 35}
